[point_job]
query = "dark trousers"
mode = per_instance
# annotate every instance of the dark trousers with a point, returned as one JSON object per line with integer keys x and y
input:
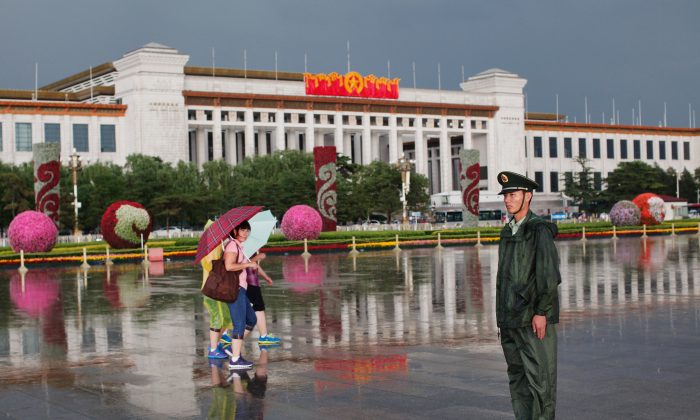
{"x": 532, "y": 371}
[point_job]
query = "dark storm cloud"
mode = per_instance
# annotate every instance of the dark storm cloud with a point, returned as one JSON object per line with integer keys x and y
{"x": 628, "y": 49}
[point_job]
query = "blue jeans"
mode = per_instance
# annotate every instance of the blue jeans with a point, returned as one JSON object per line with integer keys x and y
{"x": 242, "y": 315}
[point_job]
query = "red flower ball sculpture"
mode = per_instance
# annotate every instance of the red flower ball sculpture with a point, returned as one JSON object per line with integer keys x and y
{"x": 652, "y": 208}
{"x": 301, "y": 222}
{"x": 124, "y": 222}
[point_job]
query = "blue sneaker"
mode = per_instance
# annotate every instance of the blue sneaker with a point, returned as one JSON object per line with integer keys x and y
{"x": 269, "y": 339}
{"x": 217, "y": 353}
{"x": 241, "y": 363}
{"x": 225, "y": 339}
{"x": 264, "y": 346}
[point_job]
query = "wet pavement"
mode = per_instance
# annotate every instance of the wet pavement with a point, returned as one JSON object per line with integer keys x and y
{"x": 396, "y": 335}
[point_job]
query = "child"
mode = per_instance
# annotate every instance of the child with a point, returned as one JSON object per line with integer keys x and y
{"x": 255, "y": 297}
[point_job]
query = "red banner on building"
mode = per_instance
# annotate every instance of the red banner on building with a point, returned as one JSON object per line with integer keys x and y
{"x": 326, "y": 195}
{"x": 351, "y": 84}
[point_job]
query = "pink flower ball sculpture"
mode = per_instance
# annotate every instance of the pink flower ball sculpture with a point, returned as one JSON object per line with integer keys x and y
{"x": 651, "y": 207}
{"x": 301, "y": 222}
{"x": 124, "y": 222}
{"x": 32, "y": 231}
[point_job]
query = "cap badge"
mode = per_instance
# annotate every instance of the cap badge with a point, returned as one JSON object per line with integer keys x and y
{"x": 504, "y": 178}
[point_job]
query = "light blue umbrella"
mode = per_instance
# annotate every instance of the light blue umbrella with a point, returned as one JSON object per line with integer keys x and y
{"x": 261, "y": 226}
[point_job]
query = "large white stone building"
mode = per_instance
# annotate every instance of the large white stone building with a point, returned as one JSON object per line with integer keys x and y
{"x": 149, "y": 101}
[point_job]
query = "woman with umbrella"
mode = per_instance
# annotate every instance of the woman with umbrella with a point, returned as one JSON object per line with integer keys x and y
{"x": 242, "y": 313}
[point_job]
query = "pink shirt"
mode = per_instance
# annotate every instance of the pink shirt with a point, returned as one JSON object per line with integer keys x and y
{"x": 235, "y": 247}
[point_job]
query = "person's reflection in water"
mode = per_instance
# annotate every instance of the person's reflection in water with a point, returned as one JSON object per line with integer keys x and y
{"x": 223, "y": 405}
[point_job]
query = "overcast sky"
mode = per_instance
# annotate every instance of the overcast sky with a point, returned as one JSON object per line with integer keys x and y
{"x": 631, "y": 50}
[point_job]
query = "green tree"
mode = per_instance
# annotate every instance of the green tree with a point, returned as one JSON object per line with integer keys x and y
{"x": 278, "y": 181}
{"x": 581, "y": 189}
{"x": 688, "y": 186}
{"x": 99, "y": 185}
{"x": 630, "y": 179}
{"x": 146, "y": 177}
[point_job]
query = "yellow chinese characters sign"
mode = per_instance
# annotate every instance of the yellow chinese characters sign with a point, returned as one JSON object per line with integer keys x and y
{"x": 351, "y": 84}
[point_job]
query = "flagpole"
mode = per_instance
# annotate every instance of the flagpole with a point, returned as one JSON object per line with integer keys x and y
{"x": 36, "y": 81}
{"x": 557, "y": 102}
{"x": 664, "y": 114}
{"x": 245, "y": 63}
{"x": 439, "y": 78}
{"x": 306, "y": 69}
{"x": 275, "y": 65}
{"x": 388, "y": 69}
{"x": 639, "y": 113}
{"x": 585, "y": 106}
{"x": 348, "y": 56}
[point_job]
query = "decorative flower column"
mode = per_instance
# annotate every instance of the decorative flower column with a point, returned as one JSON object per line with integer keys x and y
{"x": 326, "y": 194}
{"x": 469, "y": 175}
{"x": 47, "y": 177}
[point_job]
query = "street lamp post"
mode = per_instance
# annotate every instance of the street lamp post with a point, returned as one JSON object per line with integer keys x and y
{"x": 75, "y": 166}
{"x": 405, "y": 168}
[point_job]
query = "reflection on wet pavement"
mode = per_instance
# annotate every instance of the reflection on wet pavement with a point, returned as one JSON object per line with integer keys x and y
{"x": 365, "y": 334}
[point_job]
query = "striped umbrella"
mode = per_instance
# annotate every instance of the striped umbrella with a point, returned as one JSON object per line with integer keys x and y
{"x": 219, "y": 230}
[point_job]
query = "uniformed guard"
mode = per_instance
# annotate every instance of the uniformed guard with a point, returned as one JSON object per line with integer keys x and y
{"x": 527, "y": 301}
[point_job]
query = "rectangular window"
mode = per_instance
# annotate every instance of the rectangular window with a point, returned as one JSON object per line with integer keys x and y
{"x": 623, "y": 149}
{"x": 539, "y": 179}
{"x": 108, "y": 138}
{"x": 674, "y": 150}
{"x": 686, "y": 148}
{"x": 596, "y": 148}
{"x": 554, "y": 181}
{"x": 611, "y": 149}
{"x": 567, "y": 147}
{"x": 80, "y": 138}
{"x": 650, "y": 149}
{"x": 537, "y": 147}
{"x": 636, "y": 149}
{"x": 662, "y": 150}
{"x": 582, "y": 148}
{"x": 23, "y": 137}
{"x": 52, "y": 133}
{"x": 552, "y": 147}
{"x": 597, "y": 181}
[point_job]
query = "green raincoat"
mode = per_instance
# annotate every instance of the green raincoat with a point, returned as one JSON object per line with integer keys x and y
{"x": 528, "y": 276}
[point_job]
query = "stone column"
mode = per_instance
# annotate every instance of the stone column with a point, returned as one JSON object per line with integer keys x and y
{"x": 231, "y": 151}
{"x": 347, "y": 144}
{"x": 366, "y": 141}
{"x": 262, "y": 142}
{"x": 490, "y": 159}
{"x": 201, "y": 137}
{"x": 467, "y": 143}
{"x": 310, "y": 138}
{"x": 338, "y": 136}
{"x": 421, "y": 149}
{"x": 279, "y": 131}
{"x": 216, "y": 134}
{"x": 445, "y": 158}
{"x": 393, "y": 140}
{"x": 374, "y": 145}
{"x": 249, "y": 134}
